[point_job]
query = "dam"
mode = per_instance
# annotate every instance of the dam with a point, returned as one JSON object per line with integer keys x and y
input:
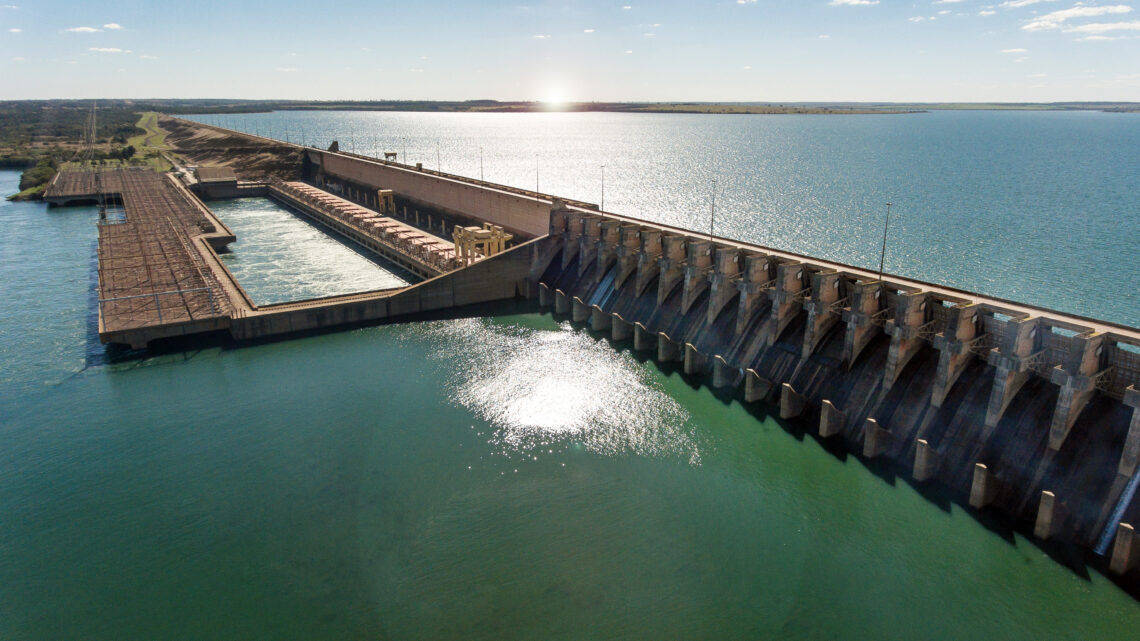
{"x": 1025, "y": 411}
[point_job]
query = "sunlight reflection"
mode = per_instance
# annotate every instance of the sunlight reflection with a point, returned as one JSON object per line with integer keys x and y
{"x": 539, "y": 388}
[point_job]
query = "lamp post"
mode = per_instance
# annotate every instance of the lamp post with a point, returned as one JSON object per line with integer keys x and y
{"x": 712, "y": 211}
{"x": 481, "y": 165}
{"x": 602, "y": 206}
{"x": 536, "y": 189}
{"x": 883, "y": 252}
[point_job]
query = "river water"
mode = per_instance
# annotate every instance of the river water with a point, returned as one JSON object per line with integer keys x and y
{"x": 506, "y": 476}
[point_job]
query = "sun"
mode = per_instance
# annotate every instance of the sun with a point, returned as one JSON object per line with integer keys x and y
{"x": 554, "y": 95}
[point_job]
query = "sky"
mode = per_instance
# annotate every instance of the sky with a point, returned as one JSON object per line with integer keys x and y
{"x": 595, "y": 50}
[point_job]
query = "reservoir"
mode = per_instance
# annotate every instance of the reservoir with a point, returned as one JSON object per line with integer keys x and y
{"x": 512, "y": 476}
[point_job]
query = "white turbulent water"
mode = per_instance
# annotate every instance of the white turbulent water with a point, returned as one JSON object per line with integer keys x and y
{"x": 280, "y": 257}
{"x": 554, "y": 388}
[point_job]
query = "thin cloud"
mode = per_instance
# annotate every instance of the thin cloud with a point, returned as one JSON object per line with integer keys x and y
{"x": 10, "y": 6}
{"x": 286, "y": 69}
{"x": 986, "y": 12}
{"x": 113, "y": 26}
{"x": 824, "y": 36}
{"x": 947, "y": 1}
{"x": 1104, "y": 27}
{"x": 1018, "y": 50}
{"x": 19, "y": 59}
{"x": 1057, "y": 19}
{"x": 745, "y": 1}
{"x": 852, "y": 3}
{"x": 1013, "y": 4}
{"x": 916, "y": 19}
{"x": 1101, "y": 38}
{"x": 83, "y": 30}
{"x": 587, "y": 31}
{"x": 108, "y": 50}
{"x": 15, "y": 30}
{"x": 542, "y": 36}
{"x": 147, "y": 56}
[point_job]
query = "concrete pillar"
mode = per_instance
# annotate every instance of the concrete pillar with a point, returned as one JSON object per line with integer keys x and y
{"x": 756, "y": 387}
{"x": 984, "y": 487}
{"x": 670, "y": 264}
{"x": 1076, "y": 377}
{"x": 724, "y": 375}
{"x": 1049, "y": 516}
{"x": 629, "y": 246}
{"x": 607, "y": 246}
{"x": 792, "y": 404}
{"x": 905, "y": 332}
{"x": 874, "y": 438}
{"x": 695, "y": 362}
{"x": 787, "y": 299}
{"x": 620, "y": 330}
{"x": 1011, "y": 362}
{"x": 643, "y": 339}
{"x": 561, "y": 302}
{"x": 667, "y": 350}
{"x": 953, "y": 345}
{"x": 579, "y": 310}
{"x": 588, "y": 242}
{"x": 752, "y": 287}
{"x": 1126, "y": 550}
{"x": 831, "y": 420}
{"x": 698, "y": 262}
{"x": 1130, "y": 455}
{"x": 725, "y": 273}
{"x": 570, "y": 240}
{"x": 923, "y": 460}
{"x": 647, "y": 259}
{"x": 599, "y": 320}
{"x": 545, "y": 296}
{"x": 861, "y": 328}
{"x": 821, "y": 315}
{"x": 558, "y": 219}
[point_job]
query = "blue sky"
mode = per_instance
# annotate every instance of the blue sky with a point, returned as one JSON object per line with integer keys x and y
{"x": 729, "y": 50}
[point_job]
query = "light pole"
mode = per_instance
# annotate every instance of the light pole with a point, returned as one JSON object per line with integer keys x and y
{"x": 603, "y": 205}
{"x": 481, "y": 165}
{"x": 437, "y": 165}
{"x": 712, "y": 211}
{"x": 883, "y": 253}
{"x": 536, "y": 189}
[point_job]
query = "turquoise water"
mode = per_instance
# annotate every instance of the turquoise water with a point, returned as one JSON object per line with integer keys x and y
{"x": 503, "y": 477}
{"x": 1037, "y": 207}
{"x": 279, "y": 257}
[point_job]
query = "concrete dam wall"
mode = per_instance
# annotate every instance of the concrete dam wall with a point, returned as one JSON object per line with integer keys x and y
{"x": 1023, "y": 410}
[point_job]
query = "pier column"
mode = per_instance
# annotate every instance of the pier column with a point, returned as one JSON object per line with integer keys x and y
{"x": 670, "y": 263}
{"x": 667, "y": 349}
{"x": 860, "y": 318}
{"x": 648, "y": 259}
{"x": 831, "y": 420}
{"x": 787, "y": 299}
{"x": 620, "y": 329}
{"x": 875, "y": 438}
{"x": 822, "y": 315}
{"x": 1125, "y": 551}
{"x": 643, "y": 339}
{"x": 905, "y": 330}
{"x": 561, "y": 302}
{"x": 1050, "y": 514}
{"x": 1077, "y": 378}
{"x": 756, "y": 387}
{"x": 697, "y": 265}
{"x": 954, "y": 346}
{"x": 629, "y": 246}
{"x": 588, "y": 242}
{"x": 983, "y": 489}
{"x": 752, "y": 286}
{"x": 726, "y": 270}
{"x": 724, "y": 375}
{"x": 545, "y": 296}
{"x": 558, "y": 218}
{"x": 1011, "y": 360}
{"x": 792, "y": 403}
{"x": 607, "y": 246}
{"x": 570, "y": 240}
{"x": 599, "y": 320}
{"x": 923, "y": 460}
{"x": 1130, "y": 455}
{"x": 579, "y": 310}
{"x": 695, "y": 362}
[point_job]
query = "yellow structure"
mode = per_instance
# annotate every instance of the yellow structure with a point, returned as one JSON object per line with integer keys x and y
{"x": 386, "y": 201}
{"x": 472, "y": 243}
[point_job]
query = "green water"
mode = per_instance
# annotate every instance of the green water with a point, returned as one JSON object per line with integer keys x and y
{"x": 505, "y": 477}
